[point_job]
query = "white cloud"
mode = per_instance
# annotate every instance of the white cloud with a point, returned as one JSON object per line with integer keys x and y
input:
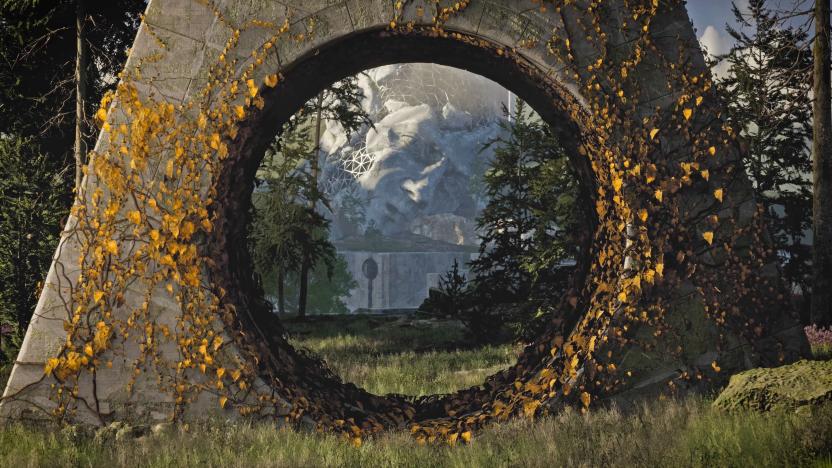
{"x": 714, "y": 42}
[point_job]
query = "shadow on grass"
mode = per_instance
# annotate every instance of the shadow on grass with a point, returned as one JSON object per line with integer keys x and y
{"x": 382, "y": 334}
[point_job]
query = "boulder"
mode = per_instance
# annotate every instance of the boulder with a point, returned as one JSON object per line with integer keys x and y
{"x": 791, "y": 387}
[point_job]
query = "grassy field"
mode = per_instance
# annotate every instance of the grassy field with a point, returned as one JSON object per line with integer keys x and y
{"x": 376, "y": 352}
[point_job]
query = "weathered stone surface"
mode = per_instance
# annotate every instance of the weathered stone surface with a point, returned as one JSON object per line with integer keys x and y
{"x": 790, "y": 387}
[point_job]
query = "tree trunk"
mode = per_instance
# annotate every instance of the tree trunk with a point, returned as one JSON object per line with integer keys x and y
{"x": 80, "y": 93}
{"x": 313, "y": 171}
{"x": 281, "y": 296}
{"x": 821, "y": 309}
{"x": 304, "y": 285}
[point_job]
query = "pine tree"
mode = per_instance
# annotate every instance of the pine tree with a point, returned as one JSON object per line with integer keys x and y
{"x": 767, "y": 90}
{"x": 278, "y": 230}
{"x": 528, "y": 226}
{"x": 342, "y": 103}
{"x": 30, "y": 191}
{"x": 529, "y": 220}
{"x": 38, "y": 51}
{"x": 289, "y": 237}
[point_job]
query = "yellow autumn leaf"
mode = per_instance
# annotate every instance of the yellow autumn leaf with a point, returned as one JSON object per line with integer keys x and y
{"x": 466, "y": 436}
{"x": 718, "y": 194}
{"x": 88, "y": 350}
{"x": 112, "y": 247}
{"x": 658, "y": 194}
{"x": 660, "y": 269}
{"x": 653, "y": 133}
{"x": 223, "y": 401}
{"x": 530, "y": 407}
{"x": 712, "y": 150}
{"x": 708, "y": 236}
{"x": 585, "y": 399}
{"x": 135, "y": 217}
{"x": 50, "y": 365}
{"x": 616, "y": 184}
{"x": 622, "y": 296}
{"x": 215, "y": 141}
{"x": 239, "y": 111}
{"x": 271, "y": 80}
{"x": 642, "y": 215}
{"x": 220, "y": 372}
{"x": 706, "y": 174}
{"x": 252, "y": 88}
{"x": 715, "y": 366}
{"x": 96, "y": 296}
{"x": 698, "y": 100}
{"x": 688, "y": 112}
{"x": 102, "y": 336}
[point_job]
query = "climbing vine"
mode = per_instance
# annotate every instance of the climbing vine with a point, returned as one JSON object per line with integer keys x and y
{"x": 663, "y": 165}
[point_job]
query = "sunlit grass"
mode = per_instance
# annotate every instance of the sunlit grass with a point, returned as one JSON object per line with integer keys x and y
{"x": 376, "y": 352}
{"x": 386, "y": 354}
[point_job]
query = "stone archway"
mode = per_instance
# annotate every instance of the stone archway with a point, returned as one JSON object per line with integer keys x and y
{"x": 512, "y": 43}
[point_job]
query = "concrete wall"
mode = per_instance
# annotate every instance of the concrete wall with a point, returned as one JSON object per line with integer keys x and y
{"x": 403, "y": 277}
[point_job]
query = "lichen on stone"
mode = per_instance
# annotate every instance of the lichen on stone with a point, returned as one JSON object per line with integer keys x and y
{"x": 804, "y": 383}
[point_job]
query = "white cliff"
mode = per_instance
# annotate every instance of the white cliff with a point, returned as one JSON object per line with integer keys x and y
{"x": 416, "y": 169}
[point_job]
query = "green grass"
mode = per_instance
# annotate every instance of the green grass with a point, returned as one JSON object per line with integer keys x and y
{"x": 822, "y": 351}
{"x": 668, "y": 433}
{"x": 377, "y": 352}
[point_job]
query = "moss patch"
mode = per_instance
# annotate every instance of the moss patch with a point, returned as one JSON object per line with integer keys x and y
{"x": 801, "y": 384}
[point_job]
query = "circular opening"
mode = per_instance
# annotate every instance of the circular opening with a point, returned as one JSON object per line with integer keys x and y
{"x": 304, "y": 80}
{"x": 443, "y": 255}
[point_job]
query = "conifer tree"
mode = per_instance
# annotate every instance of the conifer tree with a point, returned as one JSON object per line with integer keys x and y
{"x": 289, "y": 235}
{"x": 530, "y": 221}
{"x": 767, "y": 92}
{"x": 30, "y": 190}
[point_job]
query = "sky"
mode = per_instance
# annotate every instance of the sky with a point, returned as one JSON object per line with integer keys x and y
{"x": 709, "y": 18}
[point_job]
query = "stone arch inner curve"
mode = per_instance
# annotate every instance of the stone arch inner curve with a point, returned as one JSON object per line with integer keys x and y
{"x": 304, "y": 79}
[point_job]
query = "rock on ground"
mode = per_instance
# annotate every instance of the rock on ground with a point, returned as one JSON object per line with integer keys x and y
{"x": 804, "y": 383}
